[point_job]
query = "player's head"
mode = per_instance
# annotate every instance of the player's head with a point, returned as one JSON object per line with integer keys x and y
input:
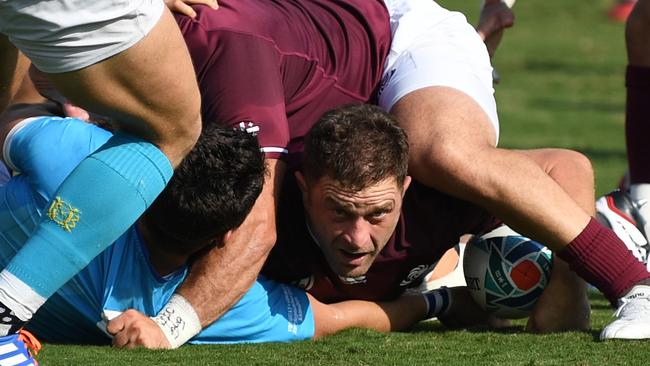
{"x": 354, "y": 177}
{"x": 211, "y": 193}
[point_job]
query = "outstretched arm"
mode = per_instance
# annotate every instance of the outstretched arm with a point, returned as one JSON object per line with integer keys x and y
{"x": 387, "y": 316}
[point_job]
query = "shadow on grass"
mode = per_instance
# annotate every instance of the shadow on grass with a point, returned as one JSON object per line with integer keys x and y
{"x": 437, "y": 327}
{"x": 563, "y": 105}
{"x": 573, "y": 68}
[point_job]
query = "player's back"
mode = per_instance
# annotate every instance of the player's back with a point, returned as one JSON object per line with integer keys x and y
{"x": 281, "y": 64}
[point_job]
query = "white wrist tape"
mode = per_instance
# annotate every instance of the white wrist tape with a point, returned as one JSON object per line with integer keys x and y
{"x": 178, "y": 321}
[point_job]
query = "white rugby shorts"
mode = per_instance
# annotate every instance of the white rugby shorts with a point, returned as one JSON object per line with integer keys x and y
{"x": 66, "y": 35}
{"x": 433, "y": 46}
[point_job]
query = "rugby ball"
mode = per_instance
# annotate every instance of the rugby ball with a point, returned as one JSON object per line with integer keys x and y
{"x": 506, "y": 274}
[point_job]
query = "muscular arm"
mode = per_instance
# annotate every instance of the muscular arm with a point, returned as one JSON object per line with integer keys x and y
{"x": 230, "y": 270}
{"x": 386, "y": 316}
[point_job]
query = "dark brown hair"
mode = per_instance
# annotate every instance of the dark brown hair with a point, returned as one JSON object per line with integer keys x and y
{"x": 356, "y": 145}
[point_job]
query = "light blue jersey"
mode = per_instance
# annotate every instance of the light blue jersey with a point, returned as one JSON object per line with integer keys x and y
{"x": 43, "y": 151}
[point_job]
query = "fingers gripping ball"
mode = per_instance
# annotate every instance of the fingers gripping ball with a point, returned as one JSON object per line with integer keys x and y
{"x": 506, "y": 274}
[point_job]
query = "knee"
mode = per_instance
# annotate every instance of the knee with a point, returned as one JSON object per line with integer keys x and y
{"x": 570, "y": 163}
{"x": 579, "y": 163}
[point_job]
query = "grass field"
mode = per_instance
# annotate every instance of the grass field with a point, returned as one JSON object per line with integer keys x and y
{"x": 562, "y": 73}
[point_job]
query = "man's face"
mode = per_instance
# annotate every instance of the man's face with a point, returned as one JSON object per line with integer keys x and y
{"x": 351, "y": 227}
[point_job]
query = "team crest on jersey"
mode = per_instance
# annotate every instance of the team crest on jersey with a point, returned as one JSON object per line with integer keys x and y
{"x": 63, "y": 214}
{"x": 417, "y": 273}
{"x": 249, "y": 127}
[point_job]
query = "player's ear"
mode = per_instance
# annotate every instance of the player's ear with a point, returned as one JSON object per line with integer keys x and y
{"x": 302, "y": 184}
{"x": 407, "y": 183}
{"x": 226, "y": 236}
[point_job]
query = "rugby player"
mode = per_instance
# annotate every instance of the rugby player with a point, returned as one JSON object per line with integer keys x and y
{"x": 272, "y": 68}
{"x": 273, "y": 77}
{"x": 211, "y": 193}
{"x": 438, "y": 84}
{"x": 619, "y": 208}
{"x": 114, "y": 57}
{"x": 364, "y": 230}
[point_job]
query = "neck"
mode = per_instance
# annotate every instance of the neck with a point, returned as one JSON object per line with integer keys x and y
{"x": 163, "y": 261}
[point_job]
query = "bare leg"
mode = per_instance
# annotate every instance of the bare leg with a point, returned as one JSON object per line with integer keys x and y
{"x": 160, "y": 104}
{"x": 453, "y": 149}
{"x": 637, "y": 34}
{"x": 564, "y": 305}
{"x": 13, "y": 68}
{"x": 151, "y": 92}
{"x": 637, "y": 115}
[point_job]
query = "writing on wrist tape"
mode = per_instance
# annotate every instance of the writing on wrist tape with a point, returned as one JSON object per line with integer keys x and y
{"x": 178, "y": 321}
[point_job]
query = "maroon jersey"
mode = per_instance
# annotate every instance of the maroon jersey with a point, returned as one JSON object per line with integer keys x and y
{"x": 430, "y": 223}
{"x": 274, "y": 67}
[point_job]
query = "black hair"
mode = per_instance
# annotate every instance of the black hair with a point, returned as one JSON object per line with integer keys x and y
{"x": 212, "y": 190}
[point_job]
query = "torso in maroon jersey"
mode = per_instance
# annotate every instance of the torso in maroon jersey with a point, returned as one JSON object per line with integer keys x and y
{"x": 430, "y": 224}
{"x": 274, "y": 67}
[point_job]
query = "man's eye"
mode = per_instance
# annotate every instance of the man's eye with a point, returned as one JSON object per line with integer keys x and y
{"x": 339, "y": 212}
{"x": 378, "y": 214}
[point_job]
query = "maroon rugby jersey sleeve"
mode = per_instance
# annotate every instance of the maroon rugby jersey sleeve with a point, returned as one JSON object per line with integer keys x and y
{"x": 240, "y": 82}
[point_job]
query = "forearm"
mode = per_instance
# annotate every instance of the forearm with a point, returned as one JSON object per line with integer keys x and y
{"x": 222, "y": 276}
{"x": 396, "y": 315}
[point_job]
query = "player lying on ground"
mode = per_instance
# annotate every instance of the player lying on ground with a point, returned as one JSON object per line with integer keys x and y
{"x": 98, "y": 54}
{"x": 211, "y": 193}
{"x": 274, "y": 77}
{"x": 460, "y": 92}
{"x": 271, "y": 113}
{"x": 364, "y": 230}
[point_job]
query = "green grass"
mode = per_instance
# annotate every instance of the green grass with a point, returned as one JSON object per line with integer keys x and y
{"x": 562, "y": 71}
{"x": 428, "y": 344}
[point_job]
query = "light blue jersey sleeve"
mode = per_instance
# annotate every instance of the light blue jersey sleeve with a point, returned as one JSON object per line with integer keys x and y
{"x": 46, "y": 149}
{"x": 269, "y": 312}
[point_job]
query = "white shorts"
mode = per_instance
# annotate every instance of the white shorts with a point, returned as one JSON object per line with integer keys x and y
{"x": 433, "y": 46}
{"x": 67, "y": 35}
